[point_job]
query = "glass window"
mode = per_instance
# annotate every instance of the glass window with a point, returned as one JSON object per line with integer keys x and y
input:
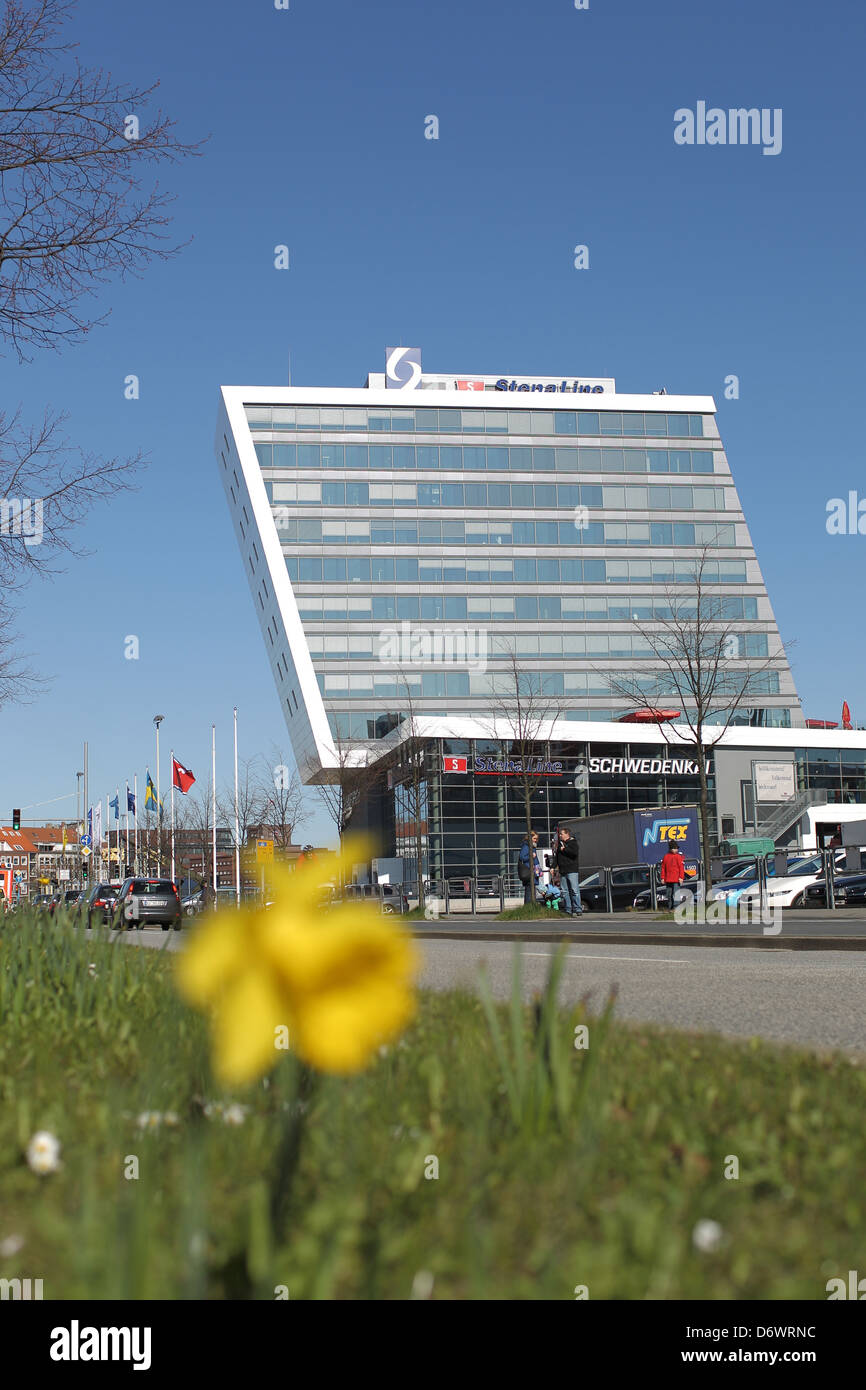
{"x": 475, "y": 494}
{"x": 357, "y": 456}
{"x": 455, "y": 609}
{"x": 334, "y": 570}
{"x": 526, "y": 608}
{"x": 612, "y": 460}
{"x": 588, "y": 422}
{"x": 309, "y": 493}
{"x": 565, "y": 422}
{"x": 264, "y": 454}
{"x": 354, "y": 419}
{"x": 358, "y": 532}
{"x": 405, "y": 494}
{"x": 357, "y": 494}
{"x": 655, "y": 423}
{"x": 333, "y": 532}
{"x": 452, "y": 532}
{"x": 309, "y": 456}
{"x": 615, "y": 533}
{"x": 285, "y": 455}
{"x": 473, "y": 421}
{"x": 450, "y": 421}
{"x": 404, "y": 456}
{"x": 307, "y": 418}
{"x": 614, "y": 497}
{"x": 382, "y": 569}
{"x": 381, "y": 533}
{"x": 310, "y": 571}
{"x": 381, "y": 494}
{"x": 696, "y": 426}
{"x": 523, "y": 532}
{"x": 701, "y": 460}
{"x": 428, "y": 495}
{"x": 636, "y": 498}
{"x": 547, "y": 533}
{"x": 660, "y": 498}
{"x": 678, "y": 426}
{"x": 661, "y": 533}
{"x": 452, "y": 495}
{"x": 545, "y": 495}
{"x": 518, "y": 422}
{"x": 524, "y": 570}
{"x": 497, "y": 458}
{"x": 427, "y": 456}
{"x": 379, "y": 421}
{"x": 381, "y": 456}
{"x": 496, "y": 421}
{"x": 659, "y": 461}
{"x": 498, "y": 495}
{"x": 474, "y": 458}
{"x": 334, "y": 494}
{"x": 432, "y": 606}
{"x": 541, "y": 422}
{"x": 358, "y": 571}
{"x": 406, "y": 532}
{"x": 611, "y": 421}
{"x": 520, "y": 459}
{"x": 544, "y": 460}
{"x": 680, "y": 460}
{"x": 407, "y": 606}
{"x": 404, "y": 569}
{"x": 568, "y": 495}
{"x": 426, "y": 420}
{"x": 549, "y": 608}
{"x": 632, "y": 422}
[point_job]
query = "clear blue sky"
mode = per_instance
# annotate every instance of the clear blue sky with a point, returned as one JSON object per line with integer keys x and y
{"x": 556, "y": 129}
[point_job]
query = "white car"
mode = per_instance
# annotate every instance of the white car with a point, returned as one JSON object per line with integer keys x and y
{"x": 790, "y": 889}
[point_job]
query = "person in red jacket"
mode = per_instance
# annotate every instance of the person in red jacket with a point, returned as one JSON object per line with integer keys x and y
{"x": 673, "y": 867}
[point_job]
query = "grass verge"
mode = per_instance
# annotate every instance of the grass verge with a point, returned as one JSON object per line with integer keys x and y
{"x": 483, "y": 1156}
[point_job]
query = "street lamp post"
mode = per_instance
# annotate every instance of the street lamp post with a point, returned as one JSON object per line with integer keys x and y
{"x": 157, "y": 719}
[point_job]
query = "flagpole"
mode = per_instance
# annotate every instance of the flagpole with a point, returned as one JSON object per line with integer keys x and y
{"x": 213, "y": 778}
{"x": 135, "y": 818}
{"x": 237, "y": 824}
{"x": 171, "y": 755}
{"x": 126, "y": 850}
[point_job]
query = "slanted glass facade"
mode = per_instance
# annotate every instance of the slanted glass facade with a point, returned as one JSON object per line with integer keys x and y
{"x": 468, "y": 532}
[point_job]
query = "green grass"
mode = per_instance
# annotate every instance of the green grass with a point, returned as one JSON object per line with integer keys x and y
{"x": 529, "y": 912}
{"x": 557, "y": 1167}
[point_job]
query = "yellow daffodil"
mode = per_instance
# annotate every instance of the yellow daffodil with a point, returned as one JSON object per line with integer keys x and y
{"x": 339, "y": 982}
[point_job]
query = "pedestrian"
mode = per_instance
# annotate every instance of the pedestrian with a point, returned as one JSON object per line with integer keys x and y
{"x": 528, "y": 865}
{"x": 567, "y": 862}
{"x": 673, "y": 871}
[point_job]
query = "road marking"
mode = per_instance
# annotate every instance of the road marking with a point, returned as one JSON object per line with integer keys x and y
{"x": 646, "y": 960}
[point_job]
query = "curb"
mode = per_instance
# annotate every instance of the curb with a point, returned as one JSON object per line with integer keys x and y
{"x": 772, "y": 943}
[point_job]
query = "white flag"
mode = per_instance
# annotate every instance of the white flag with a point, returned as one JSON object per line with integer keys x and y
{"x": 97, "y": 824}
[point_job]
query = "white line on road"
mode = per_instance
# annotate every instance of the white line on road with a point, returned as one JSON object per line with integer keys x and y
{"x": 646, "y": 960}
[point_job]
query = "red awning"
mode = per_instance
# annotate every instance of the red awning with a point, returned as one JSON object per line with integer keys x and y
{"x": 649, "y": 716}
{"x": 821, "y": 724}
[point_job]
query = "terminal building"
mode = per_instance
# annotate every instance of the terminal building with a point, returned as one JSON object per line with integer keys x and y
{"x": 412, "y": 543}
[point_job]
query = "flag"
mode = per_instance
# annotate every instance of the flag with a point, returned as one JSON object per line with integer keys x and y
{"x": 150, "y": 801}
{"x": 64, "y": 839}
{"x": 90, "y": 822}
{"x": 115, "y": 805}
{"x": 181, "y": 776}
{"x": 97, "y": 824}
{"x": 130, "y": 800}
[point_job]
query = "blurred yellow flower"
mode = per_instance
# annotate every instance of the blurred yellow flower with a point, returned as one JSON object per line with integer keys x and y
{"x": 339, "y": 981}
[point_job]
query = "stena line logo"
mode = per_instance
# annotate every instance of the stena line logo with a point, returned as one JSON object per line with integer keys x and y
{"x": 402, "y": 368}
{"x": 77, "y": 1343}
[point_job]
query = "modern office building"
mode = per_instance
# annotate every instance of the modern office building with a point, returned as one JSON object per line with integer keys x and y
{"x": 409, "y": 544}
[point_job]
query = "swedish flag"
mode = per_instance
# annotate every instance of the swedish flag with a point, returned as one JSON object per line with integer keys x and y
{"x": 150, "y": 801}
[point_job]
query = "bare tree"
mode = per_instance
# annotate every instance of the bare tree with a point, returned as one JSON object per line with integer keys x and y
{"x": 282, "y": 798}
{"x": 348, "y": 783}
{"x": 74, "y": 152}
{"x": 706, "y": 668}
{"x": 522, "y": 711}
{"x": 75, "y": 213}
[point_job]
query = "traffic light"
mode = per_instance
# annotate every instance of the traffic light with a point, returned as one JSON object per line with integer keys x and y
{"x": 16, "y": 819}
{"x": 84, "y": 871}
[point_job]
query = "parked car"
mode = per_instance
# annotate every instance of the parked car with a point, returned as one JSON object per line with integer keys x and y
{"x": 643, "y": 899}
{"x": 97, "y": 906}
{"x": 790, "y": 889}
{"x": 849, "y": 890}
{"x": 391, "y": 896}
{"x": 147, "y": 902}
{"x": 624, "y": 885}
{"x": 193, "y": 903}
{"x": 41, "y": 902}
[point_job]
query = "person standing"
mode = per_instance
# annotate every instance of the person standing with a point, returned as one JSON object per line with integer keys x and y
{"x": 567, "y": 862}
{"x": 528, "y": 865}
{"x": 673, "y": 871}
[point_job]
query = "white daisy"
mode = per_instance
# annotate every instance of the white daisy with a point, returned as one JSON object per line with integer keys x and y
{"x": 708, "y": 1236}
{"x": 43, "y": 1152}
{"x": 234, "y": 1114}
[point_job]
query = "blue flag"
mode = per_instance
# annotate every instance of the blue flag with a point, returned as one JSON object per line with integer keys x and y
{"x": 130, "y": 800}
{"x": 115, "y": 805}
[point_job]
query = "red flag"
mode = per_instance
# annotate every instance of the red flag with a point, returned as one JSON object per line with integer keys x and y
{"x": 181, "y": 776}
{"x": 846, "y": 716}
